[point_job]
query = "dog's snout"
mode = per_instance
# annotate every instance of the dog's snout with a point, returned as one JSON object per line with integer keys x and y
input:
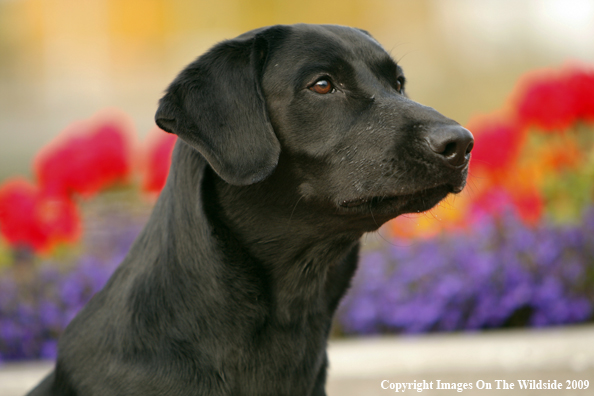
{"x": 453, "y": 143}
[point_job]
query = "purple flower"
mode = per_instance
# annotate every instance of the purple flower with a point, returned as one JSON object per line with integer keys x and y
{"x": 72, "y": 289}
{"x": 36, "y": 308}
{"x": 501, "y": 273}
{"x": 362, "y": 317}
{"x": 49, "y": 350}
{"x": 50, "y": 314}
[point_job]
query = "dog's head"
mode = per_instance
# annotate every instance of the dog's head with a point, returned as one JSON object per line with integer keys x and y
{"x": 331, "y": 101}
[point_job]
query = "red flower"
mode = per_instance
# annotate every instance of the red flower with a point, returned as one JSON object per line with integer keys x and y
{"x": 581, "y": 84}
{"x": 497, "y": 144}
{"x": 526, "y": 202}
{"x": 529, "y": 204}
{"x": 494, "y": 201}
{"x": 157, "y": 160}
{"x": 89, "y": 156}
{"x": 34, "y": 219}
{"x": 546, "y": 101}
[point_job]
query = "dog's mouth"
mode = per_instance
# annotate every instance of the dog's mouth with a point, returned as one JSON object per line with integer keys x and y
{"x": 418, "y": 201}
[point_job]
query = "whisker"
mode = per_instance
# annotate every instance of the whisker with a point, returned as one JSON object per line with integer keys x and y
{"x": 295, "y": 207}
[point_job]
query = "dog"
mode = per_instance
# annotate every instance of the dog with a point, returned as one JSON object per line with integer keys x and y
{"x": 294, "y": 141}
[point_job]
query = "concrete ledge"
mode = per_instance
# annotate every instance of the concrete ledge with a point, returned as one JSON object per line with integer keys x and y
{"x": 357, "y": 366}
{"x": 16, "y": 379}
{"x": 563, "y": 348}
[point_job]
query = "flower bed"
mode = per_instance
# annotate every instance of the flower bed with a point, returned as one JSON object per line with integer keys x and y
{"x": 502, "y": 274}
{"x": 39, "y": 296}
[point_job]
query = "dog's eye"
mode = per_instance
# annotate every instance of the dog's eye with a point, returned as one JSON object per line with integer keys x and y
{"x": 400, "y": 84}
{"x": 322, "y": 87}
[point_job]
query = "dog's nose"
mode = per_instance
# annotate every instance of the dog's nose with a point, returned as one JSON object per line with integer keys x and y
{"x": 453, "y": 143}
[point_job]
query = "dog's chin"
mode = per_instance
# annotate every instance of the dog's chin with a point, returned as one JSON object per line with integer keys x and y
{"x": 386, "y": 207}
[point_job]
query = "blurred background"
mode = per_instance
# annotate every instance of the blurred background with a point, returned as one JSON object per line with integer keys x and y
{"x": 79, "y": 86}
{"x": 62, "y": 60}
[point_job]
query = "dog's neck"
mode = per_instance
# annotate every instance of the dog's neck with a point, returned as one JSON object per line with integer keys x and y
{"x": 291, "y": 247}
{"x": 294, "y": 246}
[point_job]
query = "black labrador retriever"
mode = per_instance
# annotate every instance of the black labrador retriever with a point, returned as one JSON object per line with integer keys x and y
{"x": 294, "y": 141}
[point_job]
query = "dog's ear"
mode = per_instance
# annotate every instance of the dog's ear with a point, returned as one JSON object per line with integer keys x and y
{"x": 216, "y": 105}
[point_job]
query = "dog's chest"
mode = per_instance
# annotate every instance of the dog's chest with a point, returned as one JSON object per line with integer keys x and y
{"x": 285, "y": 360}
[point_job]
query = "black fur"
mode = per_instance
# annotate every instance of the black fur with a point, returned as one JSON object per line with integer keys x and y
{"x": 231, "y": 287}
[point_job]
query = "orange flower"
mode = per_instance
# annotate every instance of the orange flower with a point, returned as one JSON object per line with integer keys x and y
{"x": 157, "y": 160}
{"x": 558, "y": 157}
{"x": 450, "y": 214}
{"x": 31, "y": 218}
